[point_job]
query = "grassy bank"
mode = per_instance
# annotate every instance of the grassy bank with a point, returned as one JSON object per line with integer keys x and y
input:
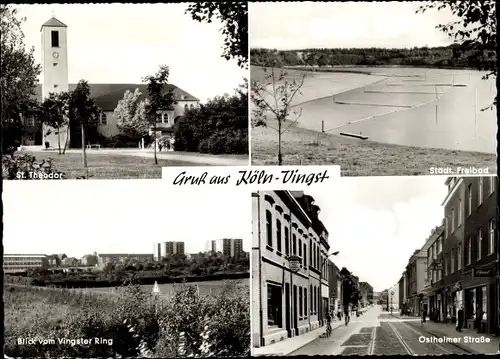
{"x": 357, "y": 157}
{"x": 131, "y": 324}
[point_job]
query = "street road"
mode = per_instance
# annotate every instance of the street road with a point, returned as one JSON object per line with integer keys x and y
{"x": 377, "y": 333}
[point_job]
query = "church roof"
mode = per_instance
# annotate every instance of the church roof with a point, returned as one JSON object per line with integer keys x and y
{"x": 53, "y": 22}
{"x": 106, "y": 96}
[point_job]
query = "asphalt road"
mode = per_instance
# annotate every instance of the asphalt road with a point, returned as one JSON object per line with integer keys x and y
{"x": 376, "y": 333}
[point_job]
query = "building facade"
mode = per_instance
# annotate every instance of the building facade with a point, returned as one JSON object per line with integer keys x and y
{"x": 18, "y": 263}
{"x": 415, "y": 273}
{"x": 103, "y": 259}
{"x": 55, "y": 80}
{"x": 165, "y": 249}
{"x": 288, "y": 239}
{"x": 232, "y": 247}
{"x": 334, "y": 287}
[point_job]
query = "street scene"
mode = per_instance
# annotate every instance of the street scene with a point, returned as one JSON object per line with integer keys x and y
{"x": 134, "y": 283}
{"x": 358, "y": 83}
{"x": 397, "y": 286}
{"x": 131, "y": 100}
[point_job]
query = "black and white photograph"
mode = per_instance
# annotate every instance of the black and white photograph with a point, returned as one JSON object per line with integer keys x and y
{"x": 409, "y": 269}
{"x": 379, "y": 88}
{"x": 157, "y": 273}
{"x": 118, "y": 91}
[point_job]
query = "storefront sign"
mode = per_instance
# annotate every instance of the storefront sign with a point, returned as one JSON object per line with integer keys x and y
{"x": 482, "y": 272}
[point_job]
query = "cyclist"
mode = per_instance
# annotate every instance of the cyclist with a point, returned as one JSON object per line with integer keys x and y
{"x": 328, "y": 324}
{"x": 346, "y": 314}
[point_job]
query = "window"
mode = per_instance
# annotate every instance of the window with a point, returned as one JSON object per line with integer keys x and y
{"x": 305, "y": 255}
{"x": 278, "y": 235}
{"x": 158, "y": 117}
{"x": 56, "y": 86}
{"x": 186, "y": 107}
{"x": 440, "y": 245}
{"x": 287, "y": 242}
{"x": 452, "y": 269}
{"x": 311, "y": 295}
{"x": 165, "y": 117}
{"x": 315, "y": 299}
{"x": 479, "y": 242}
{"x": 445, "y": 264}
{"x": 446, "y": 229}
{"x": 55, "y": 38}
{"x": 104, "y": 119}
{"x": 469, "y": 196}
{"x": 300, "y": 302}
{"x": 452, "y": 220}
{"x": 469, "y": 250}
{"x": 274, "y": 306}
{"x": 305, "y": 302}
{"x": 30, "y": 121}
{"x": 460, "y": 211}
{"x": 492, "y": 184}
{"x": 484, "y": 302}
{"x": 192, "y": 106}
{"x": 317, "y": 255}
{"x": 314, "y": 255}
{"x": 491, "y": 236}
{"x": 54, "y": 64}
{"x": 294, "y": 244}
{"x": 300, "y": 247}
{"x": 480, "y": 192}
{"x": 459, "y": 255}
{"x": 269, "y": 228}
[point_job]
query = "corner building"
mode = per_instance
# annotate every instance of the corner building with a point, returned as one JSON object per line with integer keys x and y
{"x": 287, "y": 296}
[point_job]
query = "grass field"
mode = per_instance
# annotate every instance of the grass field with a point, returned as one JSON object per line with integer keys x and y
{"x": 107, "y": 166}
{"x": 356, "y": 157}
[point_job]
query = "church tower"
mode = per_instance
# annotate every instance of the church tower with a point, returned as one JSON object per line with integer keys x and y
{"x": 54, "y": 69}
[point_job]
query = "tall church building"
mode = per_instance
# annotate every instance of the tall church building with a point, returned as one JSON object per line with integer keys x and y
{"x": 55, "y": 67}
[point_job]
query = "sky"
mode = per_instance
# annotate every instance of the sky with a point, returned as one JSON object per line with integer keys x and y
{"x": 376, "y": 223}
{"x": 119, "y": 216}
{"x": 122, "y": 43}
{"x": 345, "y": 25}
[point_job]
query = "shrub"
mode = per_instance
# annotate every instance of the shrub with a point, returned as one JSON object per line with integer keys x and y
{"x": 24, "y": 166}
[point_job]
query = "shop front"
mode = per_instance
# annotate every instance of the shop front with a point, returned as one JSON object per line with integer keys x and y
{"x": 479, "y": 297}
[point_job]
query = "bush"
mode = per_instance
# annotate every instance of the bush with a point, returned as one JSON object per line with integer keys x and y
{"x": 121, "y": 141}
{"x": 137, "y": 323}
{"x": 22, "y": 167}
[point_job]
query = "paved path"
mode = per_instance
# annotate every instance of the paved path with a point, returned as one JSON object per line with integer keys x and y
{"x": 378, "y": 333}
{"x": 199, "y": 158}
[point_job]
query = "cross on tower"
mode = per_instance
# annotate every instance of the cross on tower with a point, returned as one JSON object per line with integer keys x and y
{"x": 53, "y": 13}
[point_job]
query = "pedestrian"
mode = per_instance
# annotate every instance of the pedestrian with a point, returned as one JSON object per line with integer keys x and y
{"x": 160, "y": 146}
{"x": 424, "y": 315}
{"x": 460, "y": 318}
{"x": 479, "y": 318}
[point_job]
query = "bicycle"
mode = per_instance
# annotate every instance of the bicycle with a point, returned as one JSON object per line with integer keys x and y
{"x": 328, "y": 329}
{"x": 347, "y": 318}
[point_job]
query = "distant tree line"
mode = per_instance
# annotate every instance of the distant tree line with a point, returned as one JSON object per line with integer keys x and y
{"x": 453, "y": 56}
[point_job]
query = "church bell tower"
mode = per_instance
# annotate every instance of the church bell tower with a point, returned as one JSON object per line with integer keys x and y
{"x": 55, "y": 71}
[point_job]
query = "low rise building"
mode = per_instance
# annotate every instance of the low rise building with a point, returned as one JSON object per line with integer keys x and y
{"x": 104, "y": 259}
{"x": 18, "y": 263}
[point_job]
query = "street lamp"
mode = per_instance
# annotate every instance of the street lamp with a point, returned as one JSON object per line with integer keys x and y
{"x": 392, "y": 296}
{"x": 321, "y": 284}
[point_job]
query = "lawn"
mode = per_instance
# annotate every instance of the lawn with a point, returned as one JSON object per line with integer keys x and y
{"x": 107, "y": 166}
{"x": 357, "y": 157}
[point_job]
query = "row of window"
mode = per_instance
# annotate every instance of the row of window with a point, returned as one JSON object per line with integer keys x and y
{"x": 298, "y": 245}
{"x": 456, "y": 219}
{"x": 298, "y": 303}
{"x": 455, "y": 256}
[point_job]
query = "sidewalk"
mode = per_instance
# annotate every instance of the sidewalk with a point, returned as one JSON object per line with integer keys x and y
{"x": 290, "y": 345}
{"x": 469, "y": 340}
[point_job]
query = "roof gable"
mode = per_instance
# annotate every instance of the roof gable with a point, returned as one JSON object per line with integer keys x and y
{"x": 53, "y": 22}
{"x": 107, "y": 96}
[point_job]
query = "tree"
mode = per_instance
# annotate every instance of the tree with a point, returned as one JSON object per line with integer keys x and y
{"x": 475, "y": 31}
{"x": 18, "y": 77}
{"x": 130, "y": 114}
{"x": 53, "y": 113}
{"x": 234, "y": 17}
{"x": 158, "y": 98}
{"x": 217, "y": 127}
{"x": 83, "y": 109}
{"x": 274, "y": 96}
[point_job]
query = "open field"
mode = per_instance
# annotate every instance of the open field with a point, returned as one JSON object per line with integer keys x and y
{"x": 107, "y": 166}
{"x": 166, "y": 290}
{"x": 430, "y": 108}
{"x": 358, "y": 157}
